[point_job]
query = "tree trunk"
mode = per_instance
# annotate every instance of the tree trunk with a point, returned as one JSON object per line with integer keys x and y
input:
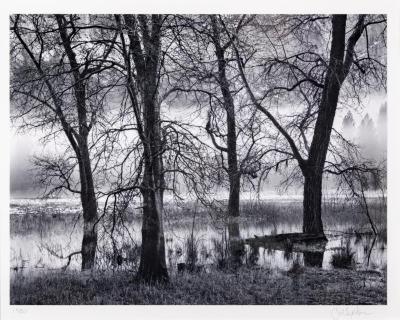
{"x": 312, "y": 221}
{"x": 89, "y": 241}
{"x": 233, "y": 171}
{"x": 145, "y": 51}
{"x": 234, "y": 184}
{"x": 153, "y": 266}
{"x": 235, "y": 243}
{"x": 313, "y": 169}
{"x": 89, "y": 206}
{"x": 229, "y": 106}
{"x": 88, "y": 196}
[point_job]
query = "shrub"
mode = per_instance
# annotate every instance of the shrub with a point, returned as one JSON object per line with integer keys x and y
{"x": 343, "y": 258}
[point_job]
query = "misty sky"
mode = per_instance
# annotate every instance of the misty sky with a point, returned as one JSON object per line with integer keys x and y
{"x": 26, "y": 145}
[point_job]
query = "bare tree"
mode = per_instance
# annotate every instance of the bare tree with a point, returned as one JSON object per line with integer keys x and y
{"x": 317, "y": 79}
{"x": 140, "y": 38}
{"x": 205, "y": 77}
{"x": 233, "y": 167}
{"x": 56, "y": 84}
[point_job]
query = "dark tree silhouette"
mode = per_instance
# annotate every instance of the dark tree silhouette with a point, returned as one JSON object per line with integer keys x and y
{"x": 342, "y": 61}
{"x": 57, "y": 84}
{"x": 142, "y": 56}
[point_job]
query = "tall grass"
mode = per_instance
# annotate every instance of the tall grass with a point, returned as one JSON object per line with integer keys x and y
{"x": 275, "y": 216}
{"x": 240, "y": 286}
{"x": 344, "y": 258}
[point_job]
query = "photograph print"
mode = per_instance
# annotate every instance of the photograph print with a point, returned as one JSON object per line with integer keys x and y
{"x": 197, "y": 159}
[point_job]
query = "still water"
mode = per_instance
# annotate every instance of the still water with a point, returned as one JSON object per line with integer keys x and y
{"x": 45, "y": 232}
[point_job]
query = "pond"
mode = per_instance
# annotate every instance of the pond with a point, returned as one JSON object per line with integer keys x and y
{"x": 44, "y": 232}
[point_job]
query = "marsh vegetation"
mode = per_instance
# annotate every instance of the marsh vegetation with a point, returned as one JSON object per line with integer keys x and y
{"x": 197, "y": 255}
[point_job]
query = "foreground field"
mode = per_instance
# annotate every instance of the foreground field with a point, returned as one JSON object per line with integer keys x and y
{"x": 41, "y": 233}
{"x": 242, "y": 286}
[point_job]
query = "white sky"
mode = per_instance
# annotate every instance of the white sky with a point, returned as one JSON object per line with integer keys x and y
{"x": 23, "y": 146}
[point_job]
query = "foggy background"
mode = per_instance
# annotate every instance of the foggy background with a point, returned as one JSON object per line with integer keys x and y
{"x": 365, "y": 125}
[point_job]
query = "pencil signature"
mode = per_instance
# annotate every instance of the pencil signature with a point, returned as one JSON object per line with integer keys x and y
{"x": 348, "y": 312}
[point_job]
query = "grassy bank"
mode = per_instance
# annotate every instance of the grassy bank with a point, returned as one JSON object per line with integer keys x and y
{"x": 244, "y": 286}
{"x": 47, "y": 219}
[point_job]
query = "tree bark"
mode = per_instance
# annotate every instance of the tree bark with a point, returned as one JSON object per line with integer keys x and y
{"x": 152, "y": 266}
{"x": 340, "y": 61}
{"x": 236, "y": 245}
{"x": 229, "y": 106}
{"x": 89, "y": 206}
{"x": 312, "y": 221}
{"x": 88, "y": 196}
{"x": 313, "y": 170}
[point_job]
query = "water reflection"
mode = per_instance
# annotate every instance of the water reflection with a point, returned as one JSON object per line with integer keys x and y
{"x": 254, "y": 255}
{"x": 236, "y": 244}
{"x": 38, "y": 242}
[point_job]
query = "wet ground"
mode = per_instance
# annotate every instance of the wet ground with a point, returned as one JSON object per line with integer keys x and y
{"x": 44, "y": 233}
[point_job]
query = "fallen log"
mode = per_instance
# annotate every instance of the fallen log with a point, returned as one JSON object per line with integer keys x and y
{"x": 297, "y": 242}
